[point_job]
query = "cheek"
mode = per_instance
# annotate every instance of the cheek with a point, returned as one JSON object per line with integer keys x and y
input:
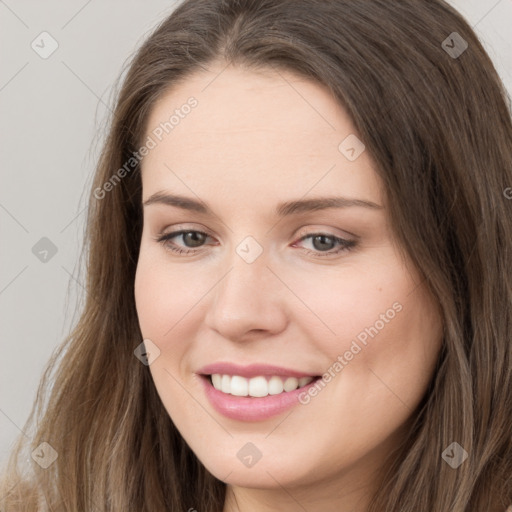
{"x": 406, "y": 350}
{"x": 165, "y": 301}
{"x": 374, "y": 323}
{"x": 387, "y": 360}
{"x": 164, "y": 296}
{"x": 379, "y": 363}
{"x": 351, "y": 302}
{"x": 152, "y": 300}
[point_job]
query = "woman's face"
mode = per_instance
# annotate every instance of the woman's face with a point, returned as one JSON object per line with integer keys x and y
{"x": 272, "y": 288}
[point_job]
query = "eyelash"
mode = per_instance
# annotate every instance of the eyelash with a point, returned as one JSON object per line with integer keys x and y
{"x": 346, "y": 245}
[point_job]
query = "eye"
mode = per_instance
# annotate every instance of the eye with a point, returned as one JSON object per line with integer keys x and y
{"x": 188, "y": 236}
{"x": 324, "y": 243}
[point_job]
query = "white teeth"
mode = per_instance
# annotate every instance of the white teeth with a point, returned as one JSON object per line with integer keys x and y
{"x": 291, "y": 383}
{"x": 239, "y": 386}
{"x": 275, "y": 386}
{"x": 217, "y": 381}
{"x": 304, "y": 381}
{"x": 225, "y": 384}
{"x": 257, "y": 386}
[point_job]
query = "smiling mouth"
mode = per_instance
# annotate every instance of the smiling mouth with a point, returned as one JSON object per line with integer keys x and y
{"x": 257, "y": 387}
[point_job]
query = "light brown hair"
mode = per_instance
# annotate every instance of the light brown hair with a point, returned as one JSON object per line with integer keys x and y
{"x": 440, "y": 130}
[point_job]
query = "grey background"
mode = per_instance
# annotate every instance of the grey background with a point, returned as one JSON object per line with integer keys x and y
{"x": 51, "y": 123}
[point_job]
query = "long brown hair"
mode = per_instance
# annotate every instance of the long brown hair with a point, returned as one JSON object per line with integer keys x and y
{"x": 435, "y": 117}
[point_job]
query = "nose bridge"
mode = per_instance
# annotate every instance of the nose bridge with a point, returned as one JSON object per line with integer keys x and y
{"x": 247, "y": 280}
{"x": 247, "y": 296}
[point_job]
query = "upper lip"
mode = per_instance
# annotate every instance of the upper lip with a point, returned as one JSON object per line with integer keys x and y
{"x": 252, "y": 370}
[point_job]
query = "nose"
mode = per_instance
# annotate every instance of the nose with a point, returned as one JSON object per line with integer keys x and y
{"x": 248, "y": 302}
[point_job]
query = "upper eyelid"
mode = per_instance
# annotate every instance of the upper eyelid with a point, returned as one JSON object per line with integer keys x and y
{"x": 299, "y": 232}
{"x": 180, "y": 231}
{"x": 300, "y": 236}
{"x": 327, "y": 231}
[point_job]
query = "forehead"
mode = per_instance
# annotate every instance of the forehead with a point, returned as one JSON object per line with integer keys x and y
{"x": 254, "y": 130}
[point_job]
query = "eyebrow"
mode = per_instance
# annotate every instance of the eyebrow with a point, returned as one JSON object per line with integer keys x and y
{"x": 282, "y": 210}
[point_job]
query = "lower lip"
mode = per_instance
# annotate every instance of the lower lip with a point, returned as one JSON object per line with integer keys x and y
{"x": 243, "y": 408}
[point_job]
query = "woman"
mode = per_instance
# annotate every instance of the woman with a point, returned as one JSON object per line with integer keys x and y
{"x": 299, "y": 286}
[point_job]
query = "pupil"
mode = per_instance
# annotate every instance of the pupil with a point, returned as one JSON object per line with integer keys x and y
{"x": 321, "y": 246}
{"x": 194, "y": 237}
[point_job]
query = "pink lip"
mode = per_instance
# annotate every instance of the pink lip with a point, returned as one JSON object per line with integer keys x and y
{"x": 252, "y": 370}
{"x": 243, "y": 408}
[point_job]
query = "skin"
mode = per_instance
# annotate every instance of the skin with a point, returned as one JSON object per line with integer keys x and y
{"x": 256, "y": 139}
